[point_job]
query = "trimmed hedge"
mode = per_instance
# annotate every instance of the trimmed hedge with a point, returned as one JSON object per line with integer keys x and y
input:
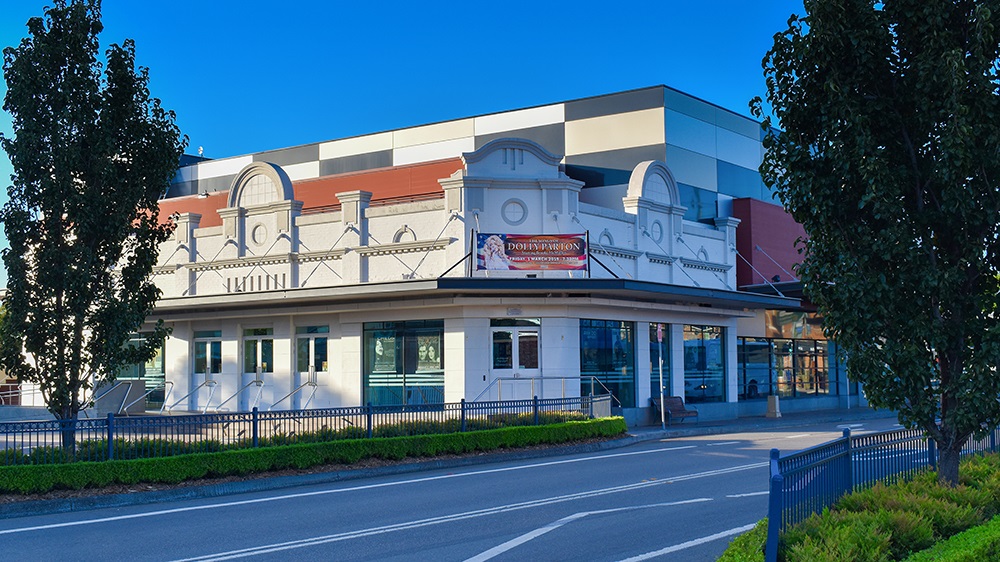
{"x": 26, "y": 479}
{"x": 125, "y": 449}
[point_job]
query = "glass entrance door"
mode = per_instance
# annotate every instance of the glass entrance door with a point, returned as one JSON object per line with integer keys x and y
{"x": 258, "y": 360}
{"x": 207, "y": 367}
{"x": 310, "y": 360}
{"x": 513, "y": 357}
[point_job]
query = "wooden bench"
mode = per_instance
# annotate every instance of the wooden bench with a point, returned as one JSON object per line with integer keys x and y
{"x": 675, "y": 408}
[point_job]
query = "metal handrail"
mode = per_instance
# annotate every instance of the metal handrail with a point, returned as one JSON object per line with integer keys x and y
{"x": 86, "y": 411}
{"x": 496, "y": 381}
{"x": 147, "y": 393}
{"x": 260, "y": 390}
{"x": 19, "y": 392}
{"x": 211, "y": 383}
{"x": 294, "y": 392}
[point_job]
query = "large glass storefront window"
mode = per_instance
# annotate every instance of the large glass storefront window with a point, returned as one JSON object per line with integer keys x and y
{"x": 404, "y": 362}
{"x": 607, "y": 353}
{"x": 659, "y": 348}
{"x": 788, "y": 367}
{"x": 754, "y": 365}
{"x": 704, "y": 364}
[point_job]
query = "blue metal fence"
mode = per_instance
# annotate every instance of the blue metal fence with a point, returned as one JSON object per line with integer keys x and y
{"x": 155, "y": 436}
{"x": 807, "y": 481}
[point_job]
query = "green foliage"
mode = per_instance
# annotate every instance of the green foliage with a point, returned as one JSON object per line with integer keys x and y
{"x": 888, "y": 159}
{"x": 974, "y": 545}
{"x": 26, "y": 479}
{"x": 748, "y": 547}
{"x": 92, "y": 153}
{"x": 97, "y": 449}
{"x": 891, "y": 522}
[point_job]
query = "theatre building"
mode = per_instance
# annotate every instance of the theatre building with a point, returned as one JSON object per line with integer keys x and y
{"x": 594, "y": 245}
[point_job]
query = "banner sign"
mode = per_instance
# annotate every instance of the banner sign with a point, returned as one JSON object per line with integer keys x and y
{"x": 531, "y": 251}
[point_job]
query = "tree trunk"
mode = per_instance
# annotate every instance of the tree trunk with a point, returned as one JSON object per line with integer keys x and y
{"x": 67, "y": 429}
{"x": 948, "y": 464}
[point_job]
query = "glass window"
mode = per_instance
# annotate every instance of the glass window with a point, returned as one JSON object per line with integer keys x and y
{"x": 404, "y": 362}
{"x": 312, "y": 330}
{"x": 311, "y": 349}
{"x": 788, "y": 367}
{"x": 659, "y": 346}
{"x": 754, "y": 364}
{"x": 515, "y": 322}
{"x": 607, "y": 353}
{"x": 208, "y": 357}
{"x": 258, "y": 350}
{"x": 152, "y": 372}
{"x": 704, "y": 364}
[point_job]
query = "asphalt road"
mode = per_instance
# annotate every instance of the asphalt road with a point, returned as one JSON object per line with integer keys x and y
{"x": 675, "y": 499}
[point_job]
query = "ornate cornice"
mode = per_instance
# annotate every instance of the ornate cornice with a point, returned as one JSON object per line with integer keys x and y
{"x": 705, "y": 266}
{"x": 405, "y": 247}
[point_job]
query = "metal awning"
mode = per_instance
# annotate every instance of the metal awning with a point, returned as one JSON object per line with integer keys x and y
{"x": 454, "y": 287}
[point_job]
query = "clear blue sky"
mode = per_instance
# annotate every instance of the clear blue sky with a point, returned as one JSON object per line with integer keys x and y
{"x": 246, "y": 76}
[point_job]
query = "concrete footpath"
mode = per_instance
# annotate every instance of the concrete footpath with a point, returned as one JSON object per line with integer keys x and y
{"x": 263, "y": 484}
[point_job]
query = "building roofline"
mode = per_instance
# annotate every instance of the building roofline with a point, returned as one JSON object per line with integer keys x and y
{"x": 488, "y": 114}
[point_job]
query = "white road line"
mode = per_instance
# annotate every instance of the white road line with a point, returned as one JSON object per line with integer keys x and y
{"x": 723, "y": 443}
{"x": 748, "y": 495}
{"x": 314, "y": 541}
{"x": 500, "y": 549}
{"x": 336, "y": 491}
{"x": 689, "y": 544}
{"x": 797, "y": 436}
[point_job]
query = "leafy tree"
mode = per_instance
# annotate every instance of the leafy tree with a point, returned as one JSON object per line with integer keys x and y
{"x": 92, "y": 153}
{"x": 890, "y": 159}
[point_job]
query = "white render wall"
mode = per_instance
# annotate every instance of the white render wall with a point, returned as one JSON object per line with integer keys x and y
{"x": 272, "y": 248}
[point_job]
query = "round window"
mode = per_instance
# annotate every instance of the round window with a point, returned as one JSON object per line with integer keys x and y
{"x": 657, "y": 232}
{"x": 259, "y": 234}
{"x": 514, "y": 212}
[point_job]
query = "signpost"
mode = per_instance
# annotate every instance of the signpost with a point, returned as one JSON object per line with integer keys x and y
{"x": 659, "y": 339}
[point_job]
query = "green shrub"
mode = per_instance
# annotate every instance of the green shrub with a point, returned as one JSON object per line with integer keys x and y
{"x": 974, "y": 545}
{"x": 748, "y": 547}
{"x": 891, "y": 522}
{"x": 35, "y": 478}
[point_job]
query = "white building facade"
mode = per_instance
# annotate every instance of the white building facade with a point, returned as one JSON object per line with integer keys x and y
{"x": 345, "y": 272}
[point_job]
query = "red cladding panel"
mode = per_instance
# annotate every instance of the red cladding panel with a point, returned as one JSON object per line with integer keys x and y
{"x": 770, "y": 227}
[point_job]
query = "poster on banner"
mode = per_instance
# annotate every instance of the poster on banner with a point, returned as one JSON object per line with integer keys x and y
{"x": 520, "y": 252}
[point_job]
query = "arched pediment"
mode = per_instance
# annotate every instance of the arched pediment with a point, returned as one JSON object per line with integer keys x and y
{"x": 260, "y": 183}
{"x": 653, "y": 181}
{"x": 512, "y": 157}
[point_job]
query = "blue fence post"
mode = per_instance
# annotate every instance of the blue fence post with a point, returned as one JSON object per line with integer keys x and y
{"x": 849, "y": 472}
{"x": 774, "y": 508}
{"x": 369, "y": 415}
{"x": 590, "y": 406}
{"x": 462, "y": 427}
{"x": 932, "y": 453}
{"x": 111, "y": 436}
{"x": 534, "y": 408}
{"x": 993, "y": 440}
{"x": 254, "y": 427}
